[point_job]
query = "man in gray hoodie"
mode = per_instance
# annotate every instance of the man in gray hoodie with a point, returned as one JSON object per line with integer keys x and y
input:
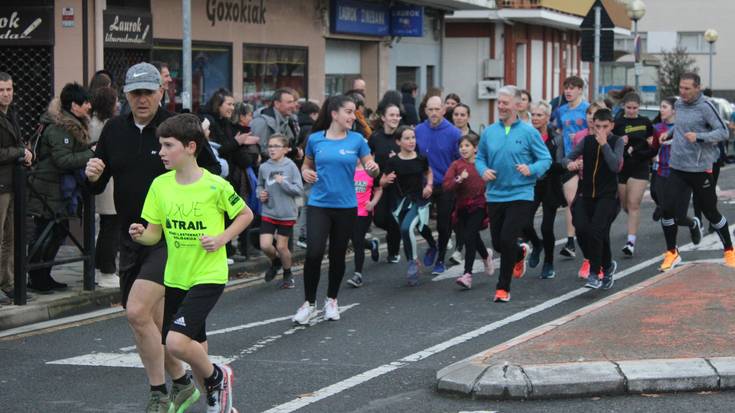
{"x": 694, "y": 150}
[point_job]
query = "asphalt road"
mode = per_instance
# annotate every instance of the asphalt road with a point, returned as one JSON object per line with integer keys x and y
{"x": 381, "y": 356}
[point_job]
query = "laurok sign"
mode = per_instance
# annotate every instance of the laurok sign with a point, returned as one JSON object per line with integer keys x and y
{"x": 20, "y": 26}
{"x": 128, "y": 30}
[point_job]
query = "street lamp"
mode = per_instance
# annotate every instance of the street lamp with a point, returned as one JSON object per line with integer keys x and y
{"x": 636, "y": 11}
{"x": 711, "y": 37}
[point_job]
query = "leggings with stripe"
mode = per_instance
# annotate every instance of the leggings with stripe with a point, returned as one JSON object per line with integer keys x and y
{"x": 408, "y": 220}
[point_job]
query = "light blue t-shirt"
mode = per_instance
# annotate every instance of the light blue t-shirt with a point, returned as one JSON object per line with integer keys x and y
{"x": 335, "y": 161}
{"x": 571, "y": 121}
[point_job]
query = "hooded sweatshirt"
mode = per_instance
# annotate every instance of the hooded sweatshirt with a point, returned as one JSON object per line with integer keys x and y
{"x": 281, "y": 204}
{"x": 440, "y": 145}
{"x": 501, "y": 152}
{"x": 701, "y": 117}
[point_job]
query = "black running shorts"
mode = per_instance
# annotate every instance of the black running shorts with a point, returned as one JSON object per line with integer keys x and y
{"x": 186, "y": 311}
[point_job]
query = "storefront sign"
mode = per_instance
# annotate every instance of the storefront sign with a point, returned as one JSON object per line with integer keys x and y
{"x": 407, "y": 20}
{"x": 130, "y": 31}
{"x": 356, "y": 17}
{"x": 242, "y": 11}
{"x": 21, "y": 26}
{"x": 67, "y": 17}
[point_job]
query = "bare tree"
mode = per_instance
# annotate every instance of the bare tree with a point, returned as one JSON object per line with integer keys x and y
{"x": 673, "y": 64}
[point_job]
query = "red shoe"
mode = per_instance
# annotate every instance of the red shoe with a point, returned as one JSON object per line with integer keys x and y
{"x": 584, "y": 270}
{"x": 520, "y": 268}
{"x": 501, "y": 296}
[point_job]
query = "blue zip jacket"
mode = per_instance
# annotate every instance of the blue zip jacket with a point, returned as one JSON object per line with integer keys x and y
{"x": 439, "y": 145}
{"x": 501, "y": 153}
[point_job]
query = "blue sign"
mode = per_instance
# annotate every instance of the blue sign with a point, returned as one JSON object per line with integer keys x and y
{"x": 407, "y": 21}
{"x": 356, "y": 17}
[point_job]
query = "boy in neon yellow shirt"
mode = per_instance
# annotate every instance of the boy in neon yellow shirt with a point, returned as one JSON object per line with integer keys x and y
{"x": 187, "y": 205}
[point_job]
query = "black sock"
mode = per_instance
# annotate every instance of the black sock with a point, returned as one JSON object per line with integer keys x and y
{"x": 215, "y": 378}
{"x": 670, "y": 230}
{"x": 160, "y": 387}
{"x": 184, "y": 380}
{"x": 570, "y": 242}
{"x": 287, "y": 273}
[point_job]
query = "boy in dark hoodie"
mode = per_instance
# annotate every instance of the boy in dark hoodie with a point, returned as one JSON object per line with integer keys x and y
{"x": 596, "y": 204}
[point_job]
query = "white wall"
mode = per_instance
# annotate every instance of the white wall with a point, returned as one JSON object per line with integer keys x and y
{"x": 462, "y": 62}
{"x": 536, "y": 86}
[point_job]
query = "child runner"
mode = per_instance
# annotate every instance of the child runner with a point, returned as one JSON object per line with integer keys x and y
{"x": 188, "y": 205}
{"x": 409, "y": 176}
{"x": 279, "y": 185}
{"x": 596, "y": 205}
{"x": 469, "y": 209}
{"x": 364, "y": 189}
{"x": 637, "y": 132}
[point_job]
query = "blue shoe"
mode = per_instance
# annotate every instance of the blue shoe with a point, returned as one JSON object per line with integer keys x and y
{"x": 593, "y": 282}
{"x": 412, "y": 273}
{"x": 547, "y": 272}
{"x": 438, "y": 268}
{"x": 535, "y": 257}
{"x": 429, "y": 257}
{"x": 608, "y": 278}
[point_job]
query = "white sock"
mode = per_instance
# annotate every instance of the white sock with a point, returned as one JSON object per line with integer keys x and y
{"x": 631, "y": 239}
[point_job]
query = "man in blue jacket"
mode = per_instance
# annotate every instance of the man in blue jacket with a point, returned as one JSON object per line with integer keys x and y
{"x": 511, "y": 157}
{"x": 438, "y": 141}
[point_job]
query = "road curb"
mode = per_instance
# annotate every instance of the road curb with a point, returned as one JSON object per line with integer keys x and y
{"x": 487, "y": 375}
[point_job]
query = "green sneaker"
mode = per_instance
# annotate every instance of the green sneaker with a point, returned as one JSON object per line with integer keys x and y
{"x": 158, "y": 403}
{"x": 182, "y": 397}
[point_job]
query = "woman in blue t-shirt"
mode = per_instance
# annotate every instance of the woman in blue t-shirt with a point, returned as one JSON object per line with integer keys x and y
{"x": 332, "y": 152}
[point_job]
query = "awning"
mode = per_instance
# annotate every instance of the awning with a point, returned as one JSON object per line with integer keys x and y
{"x": 537, "y": 17}
{"x": 453, "y": 5}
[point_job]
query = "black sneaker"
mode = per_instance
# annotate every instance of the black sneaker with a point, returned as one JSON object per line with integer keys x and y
{"x": 628, "y": 249}
{"x": 356, "y": 280}
{"x": 535, "y": 257}
{"x": 271, "y": 273}
{"x": 394, "y": 259}
{"x": 608, "y": 278}
{"x": 656, "y": 214}
{"x": 695, "y": 230}
{"x": 569, "y": 250}
{"x": 375, "y": 249}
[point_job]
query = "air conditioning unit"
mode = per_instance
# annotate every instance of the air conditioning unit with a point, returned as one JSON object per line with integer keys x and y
{"x": 492, "y": 69}
{"x": 488, "y": 89}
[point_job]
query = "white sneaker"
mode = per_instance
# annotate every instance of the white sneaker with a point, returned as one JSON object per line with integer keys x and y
{"x": 489, "y": 263}
{"x": 331, "y": 310}
{"x": 457, "y": 257}
{"x": 450, "y": 244}
{"x": 304, "y": 314}
{"x": 107, "y": 280}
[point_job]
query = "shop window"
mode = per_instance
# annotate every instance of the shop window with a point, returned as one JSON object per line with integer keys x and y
{"x": 267, "y": 68}
{"x": 211, "y": 70}
{"x": 408, "y": 74}
{"x": 31, "y": 69}
{"x": 338, "y": 84}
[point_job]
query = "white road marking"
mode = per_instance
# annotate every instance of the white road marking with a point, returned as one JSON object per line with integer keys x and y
{"x": 129, "y": 360}
{"x": 368, "y": 375}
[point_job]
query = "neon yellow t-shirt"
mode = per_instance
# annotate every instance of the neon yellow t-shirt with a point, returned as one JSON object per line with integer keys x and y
{"x": 186, "y": 213}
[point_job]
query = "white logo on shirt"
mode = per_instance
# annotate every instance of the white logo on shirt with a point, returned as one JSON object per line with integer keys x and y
{"x": 347, "y": 152}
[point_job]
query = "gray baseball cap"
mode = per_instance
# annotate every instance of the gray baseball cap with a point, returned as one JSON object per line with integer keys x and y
{"x": 142, "y": 76}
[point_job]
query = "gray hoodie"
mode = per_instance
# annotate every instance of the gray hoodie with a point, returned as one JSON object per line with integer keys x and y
{"x": 701, "y": 117}
{"x": 281, "y": 204}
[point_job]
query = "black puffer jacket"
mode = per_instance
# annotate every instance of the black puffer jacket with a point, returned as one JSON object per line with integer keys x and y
{"x": 11, "y": 149}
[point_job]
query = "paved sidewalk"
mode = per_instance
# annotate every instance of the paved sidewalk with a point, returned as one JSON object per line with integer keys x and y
{"x": 670, "y": 333}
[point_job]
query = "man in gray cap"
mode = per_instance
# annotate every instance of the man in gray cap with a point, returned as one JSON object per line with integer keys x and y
{"x": 127, "y": 151}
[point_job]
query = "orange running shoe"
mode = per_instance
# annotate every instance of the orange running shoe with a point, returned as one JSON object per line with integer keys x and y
{"x": 501, "y": 296}
{"x": 584, "y": 270}
{"x": 520, "y": 268}
{"x": 672, "y": 258}
{"x": 730, "y": 258}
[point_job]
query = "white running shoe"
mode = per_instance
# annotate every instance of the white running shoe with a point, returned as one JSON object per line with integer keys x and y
{"x": 304, "y": 314}
{"x": 331, "y": 309}
{"x": 489, "y": 263}
{"x": 107, "y": 280}
{"x": 457, "y": 258}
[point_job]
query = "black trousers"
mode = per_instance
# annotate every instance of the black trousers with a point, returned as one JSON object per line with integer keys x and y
{"x": 335, "y": 225}
{"x": 48, "y": 248}
{"x": 703, "y": 188}
{"x": 592, "y": 218}
{"x": 548, "y": 239}
{"x": 444, "y": 203}
{"x": 468, "y": 224}
{"x": 362, "y": 224}
{"x": 507, "y": 221}
{"x": 383, "y": 218}
{"x": 108, "y": 243}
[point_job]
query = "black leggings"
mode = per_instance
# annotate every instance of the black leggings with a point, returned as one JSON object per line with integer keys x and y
{"x": 592, "y": 218}
{"x": 336, "y": 225}
{"x": 547, "y": 229}
{"x": 108, "y": 243}
{"x": 702, "y": 185}
{"x": 444, "y": 202}
{"x": 507, "y": 221}
{"x": 384, "y": 220}
{"x": 362, "y": 224}
{"x": 469, "y": 224}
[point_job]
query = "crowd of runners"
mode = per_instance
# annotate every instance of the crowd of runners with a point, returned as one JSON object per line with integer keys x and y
{"x": 187, "y": 186}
